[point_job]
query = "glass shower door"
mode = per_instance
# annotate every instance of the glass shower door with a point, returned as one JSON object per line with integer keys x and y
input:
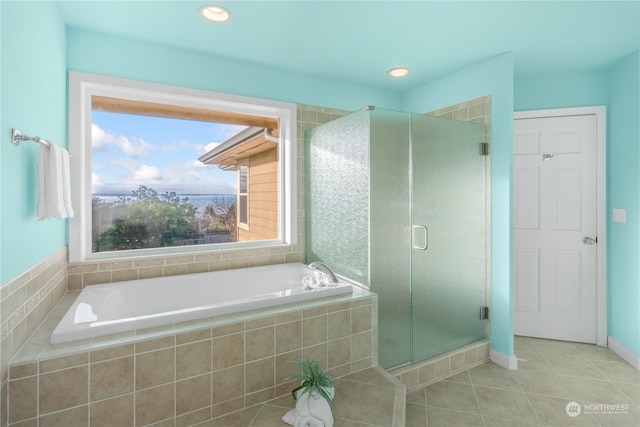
{"x": 448, "y": 261}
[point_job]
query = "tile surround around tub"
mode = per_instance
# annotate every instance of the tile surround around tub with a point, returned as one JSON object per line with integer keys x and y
{"x": 187, "y": 376}
{"x": 24, "y": 302}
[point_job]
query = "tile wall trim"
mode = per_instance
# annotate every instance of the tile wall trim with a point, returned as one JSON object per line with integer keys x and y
{"x": 416, "y": 376}
{"x": 24, "y": 302}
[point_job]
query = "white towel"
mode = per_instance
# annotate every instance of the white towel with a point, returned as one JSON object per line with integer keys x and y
{"x": 310, "y": 411}
{"x": 55, "y": 183}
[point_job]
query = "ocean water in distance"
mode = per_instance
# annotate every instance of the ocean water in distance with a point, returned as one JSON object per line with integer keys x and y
{"x": 200, "y": 201}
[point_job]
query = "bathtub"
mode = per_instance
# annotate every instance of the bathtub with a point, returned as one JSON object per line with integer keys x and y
{"x": 126, "y": 306}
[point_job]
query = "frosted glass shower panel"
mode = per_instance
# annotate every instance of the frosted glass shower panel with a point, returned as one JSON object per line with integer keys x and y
{"x": 390, "y": 250}
{"x": 337, "y": 195}
{"x": 449, "y": 277}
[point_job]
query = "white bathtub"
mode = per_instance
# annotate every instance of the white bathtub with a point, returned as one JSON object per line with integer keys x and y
{"x": 125, "y": 306}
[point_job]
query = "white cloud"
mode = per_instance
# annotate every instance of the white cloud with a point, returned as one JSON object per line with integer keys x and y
{"x": 96, "y": 182}
{"x": 199, "y": 165}
{"x": 146, "y": 173}
{"x": 127, "y": 164}
{"x": 139, "y": 149}
{"x": 100, "y": 140}
{"x": 203, "y": 149}
{"x": 178, "y": 146}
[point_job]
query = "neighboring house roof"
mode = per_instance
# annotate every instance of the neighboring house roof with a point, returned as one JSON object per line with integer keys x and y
{"x": 249, "y": 142}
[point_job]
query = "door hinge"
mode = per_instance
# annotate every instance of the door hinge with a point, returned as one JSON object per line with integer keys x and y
{"x": 484, "y": 148}
{"x": 484, "y": 312}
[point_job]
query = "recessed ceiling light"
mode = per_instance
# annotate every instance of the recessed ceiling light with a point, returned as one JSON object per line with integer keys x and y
{"x": 215, "y": 13}
{"x": 398, "y": 72}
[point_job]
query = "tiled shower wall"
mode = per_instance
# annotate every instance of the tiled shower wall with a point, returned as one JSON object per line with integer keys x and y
{"x": 25, "y": 300}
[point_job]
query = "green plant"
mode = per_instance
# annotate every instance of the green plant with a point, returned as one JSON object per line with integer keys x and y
{"x": 315, "y": 381}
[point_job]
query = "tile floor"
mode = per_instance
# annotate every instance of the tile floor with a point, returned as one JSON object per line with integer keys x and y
{"x": 551, "y": 374}
{"x": 350, "y": 407}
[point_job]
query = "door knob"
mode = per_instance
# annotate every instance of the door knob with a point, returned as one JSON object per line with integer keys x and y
{"x": 589, "y": 240}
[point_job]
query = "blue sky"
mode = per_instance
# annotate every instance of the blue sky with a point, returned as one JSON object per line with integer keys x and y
{"x": 130, "y": 150}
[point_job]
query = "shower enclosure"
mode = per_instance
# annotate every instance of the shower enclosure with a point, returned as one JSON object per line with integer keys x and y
{"x": 397, "y": 201}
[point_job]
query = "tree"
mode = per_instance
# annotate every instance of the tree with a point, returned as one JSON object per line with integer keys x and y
{"x": 148, "y": 219}
{"x": 229, "y": 221}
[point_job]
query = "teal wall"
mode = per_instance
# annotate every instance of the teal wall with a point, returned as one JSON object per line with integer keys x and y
{"x": 33, "y": 91}
{"x": 493, "y": 77}
{"x": 585, "y": 89}
{"x": 34, "y": 100}
{"x": 105, "y": 54}
{"x": 623, "y": 191}
{"x": 617, "y": 89}
{"x": 37, "y": 50}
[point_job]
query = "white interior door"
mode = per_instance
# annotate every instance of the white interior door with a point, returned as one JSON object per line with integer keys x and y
{"x": 555, "y": 259}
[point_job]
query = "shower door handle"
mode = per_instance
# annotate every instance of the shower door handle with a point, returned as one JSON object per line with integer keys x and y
{"x": 419, "y": 243}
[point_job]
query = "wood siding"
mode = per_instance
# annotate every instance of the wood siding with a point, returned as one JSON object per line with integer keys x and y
{"x": 263, "y": 198}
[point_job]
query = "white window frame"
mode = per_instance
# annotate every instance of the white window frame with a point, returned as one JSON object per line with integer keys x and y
{"x": 239, "y": 193}
{"x": 83, "y": 86}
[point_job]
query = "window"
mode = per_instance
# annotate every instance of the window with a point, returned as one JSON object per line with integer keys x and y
{"x": 243, "y": 195}
{"x": 169, "y": 170}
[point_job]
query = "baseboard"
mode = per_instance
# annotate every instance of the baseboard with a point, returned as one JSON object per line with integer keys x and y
{"x": 629, "y": 356}
{"x": 508, "y": 362}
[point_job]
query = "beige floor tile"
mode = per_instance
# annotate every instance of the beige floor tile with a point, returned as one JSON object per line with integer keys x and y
{"x": 462, "y": 377}
{"x": 548, "y": 384}
{"x": 238, "y": 419}
{"x": 622, "y": 418}
{"x": 552, "y": 412}
{"x": 450, "y": 395}
{"x": 417, "y": 397}
{"x": 441, "y": 417}
{"x": 415, "y": 415}
{"x": 575, "y": 366}
{"x": 364, "y": 403}
{"x": 491, "y": 375}
{"x": 631, "y": 390}
{"x": 269, "y": 416}
{"x": 507, "y": 404}
{"x": 525, "y": 344}
{"x": 597, "y": 391}
{"x": 339, "y": 422}
{"x": 503, "y": 422}
{"x": 557, "y": 348}
{"x": 552, "y": 375}
{"x": 618, "y": 372}
{"x": 533, "y": 361}
{"x": 596, "y": 352}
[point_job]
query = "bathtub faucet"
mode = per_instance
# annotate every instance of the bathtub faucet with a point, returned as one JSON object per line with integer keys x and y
{"x": 325, "y": 269}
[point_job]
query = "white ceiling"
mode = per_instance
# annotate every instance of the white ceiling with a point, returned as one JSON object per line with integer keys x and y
{"x": 360, "y": 40}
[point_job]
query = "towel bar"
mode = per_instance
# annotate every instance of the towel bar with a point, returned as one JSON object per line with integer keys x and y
{"x": 16, "y": 137}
